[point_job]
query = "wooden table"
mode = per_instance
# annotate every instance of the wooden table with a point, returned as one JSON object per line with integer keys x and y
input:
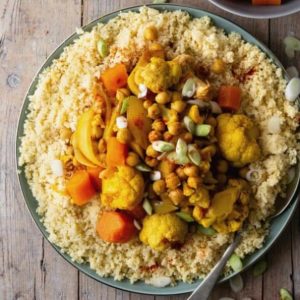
{"x": 29, "y": 266}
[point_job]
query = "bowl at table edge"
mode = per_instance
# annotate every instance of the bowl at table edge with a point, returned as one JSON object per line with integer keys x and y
{"x": 246, "y": 9}
{"x": 277, "y": 224}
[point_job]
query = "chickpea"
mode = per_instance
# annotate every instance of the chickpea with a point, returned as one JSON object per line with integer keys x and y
{"x": 187, "y": 137}
{"x": 159, "y": 186}
{"x": 176, "y": 196}
{"x": 123, "y": 135}
{"x": 101, "y": 146}
{"x": 97, "y": 132}
{"x": 154, "y": 136}
{"x": 163, "y": 97}
{"x": 204, "y": 166}
{"x": 147, "y": 103}
{"x": 208, "y": 152}
{"x": 191, "y": 171}
{"x": 180, "y": 173}
{"x": 218, "y": 66}
{"x": 153, "y": 111}
{"x": 187, "y": 191}
{"x": 176, "y": 96}
{"x": 156, "y": 47}
{"x": 194, "y": 182}
{"x": 174, "y": 128}
{"x": 173, "y": 115}
{"x": 198, "y": 213}
{"x": 150, "y": 33}
{"x": 222, "y": 166}
{"x": 194, "y": 114}
{"x": 172, "y": 181}
{"x": 178, "y": 106}
{"x": 167, "y": 136}
{"x": 159, "y": 125}
{"x": 122, "y": 93}
{"x": 157, "y": 50}
{"x": 151, "y": 161}
{"x": 211, "y": 121}
{"x": 151, "y": 152}
{"x": 132, "y": 159}
{"x": 221, "y": 178}
{"x": 65, "y": 133}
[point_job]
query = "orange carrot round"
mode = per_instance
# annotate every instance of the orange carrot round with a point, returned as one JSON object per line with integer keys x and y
{"x": 80, "y": 187}
{"x": 114, "y": 78}
{"x": 115, "y": 227}
{"x": 229, "y": 97}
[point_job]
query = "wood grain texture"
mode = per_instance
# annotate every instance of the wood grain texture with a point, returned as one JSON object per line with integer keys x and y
{"x": 29, "y": 267}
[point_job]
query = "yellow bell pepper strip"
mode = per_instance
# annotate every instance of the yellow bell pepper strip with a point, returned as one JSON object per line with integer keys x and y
{"x": 138, "y": 123}
{"x": 83, "y": 137}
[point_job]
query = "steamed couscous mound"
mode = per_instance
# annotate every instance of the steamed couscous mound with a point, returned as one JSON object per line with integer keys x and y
{"x": 70, "y": 85}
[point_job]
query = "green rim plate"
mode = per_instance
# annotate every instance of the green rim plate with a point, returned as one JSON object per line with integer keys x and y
{"x": 277, "y": 225}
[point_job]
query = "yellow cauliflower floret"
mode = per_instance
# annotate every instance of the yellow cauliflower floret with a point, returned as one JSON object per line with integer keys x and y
{"x": 161, "y": 231}
{"x": 123, "y": 188}
{"x": 237, "y": 136}
{"x": 158, "y": 75}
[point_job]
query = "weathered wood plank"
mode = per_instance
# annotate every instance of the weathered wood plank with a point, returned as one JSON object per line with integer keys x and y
{"x": 30, "y": 33}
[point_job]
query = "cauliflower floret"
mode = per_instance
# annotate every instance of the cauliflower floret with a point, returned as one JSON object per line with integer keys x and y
{"x": 158, "y": 75}
{"x": 123, "y": 188}
{"x": 237, "y": 136}
{"x": 160, "y": 231}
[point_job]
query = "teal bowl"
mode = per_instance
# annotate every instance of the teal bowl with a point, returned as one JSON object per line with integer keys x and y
{"x": 277, "y": 225}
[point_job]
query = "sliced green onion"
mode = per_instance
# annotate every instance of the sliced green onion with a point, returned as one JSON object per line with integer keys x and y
{"x": 162, "y": 146}
{"x": 285, "y": 294}
{"x": 290, "y": 52}
{"x": 236, "y": 283}
{"x": 147, "y": 207}
{"x": 137, "y": 224}
{"x": 180, "y": 160}
{"x": 292, "y": 89}
{"x": 260, "y": 268}
{"x": 189, "y": 124}
{"x": 185, "y": 216}
{"x": 206, "y": 231}
{"x": 143, "y": 168}
{"x": 235, "y": 263}
{"x": 194, "y": 155}
{"x": 102, "y": 48}
{"x": 124, "y": 106}
{"x": 202, "y": 130}
{"x": 181, "y": 147}
{"x": 189, "y": 88}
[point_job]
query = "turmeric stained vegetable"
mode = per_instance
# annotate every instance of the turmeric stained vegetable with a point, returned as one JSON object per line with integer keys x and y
{"x": 115, "y": 227}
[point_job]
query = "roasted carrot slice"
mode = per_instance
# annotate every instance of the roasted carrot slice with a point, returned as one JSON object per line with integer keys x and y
{"x": 115, "y": 227}
{"x": 229, "y": 97}
{"x": 116, "y": 152}
{"x": 80, "y": 187}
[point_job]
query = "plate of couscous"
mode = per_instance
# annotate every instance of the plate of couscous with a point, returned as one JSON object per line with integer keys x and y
{"x": 149, "y": 138}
